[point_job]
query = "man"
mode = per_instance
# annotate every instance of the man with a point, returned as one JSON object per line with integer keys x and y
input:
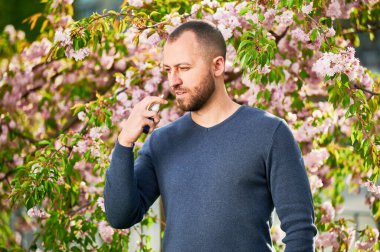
{"x": 220, "y": 169}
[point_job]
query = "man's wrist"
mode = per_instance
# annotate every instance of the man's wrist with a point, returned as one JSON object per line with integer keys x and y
{"x": 125, "y": 143}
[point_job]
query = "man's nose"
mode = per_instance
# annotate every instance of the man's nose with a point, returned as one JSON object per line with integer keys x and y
{"x": 174, "y": 78}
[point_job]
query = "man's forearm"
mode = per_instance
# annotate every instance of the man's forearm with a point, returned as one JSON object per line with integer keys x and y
{"x": 121, "y": 196}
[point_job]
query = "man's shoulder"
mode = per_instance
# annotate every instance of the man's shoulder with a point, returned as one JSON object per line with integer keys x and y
{"x": 173, "y": 127}
{"x": 261, "y": 117}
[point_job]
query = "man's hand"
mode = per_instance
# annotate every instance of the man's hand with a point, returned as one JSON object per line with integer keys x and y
{"x": 138, "y": 118}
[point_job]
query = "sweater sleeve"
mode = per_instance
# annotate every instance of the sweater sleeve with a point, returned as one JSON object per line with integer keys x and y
{"x": 130, "y": 186}
{"x": 290, "y": 190}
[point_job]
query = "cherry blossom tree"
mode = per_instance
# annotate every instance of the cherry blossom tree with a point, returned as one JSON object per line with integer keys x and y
{"x": 65, "y": 96}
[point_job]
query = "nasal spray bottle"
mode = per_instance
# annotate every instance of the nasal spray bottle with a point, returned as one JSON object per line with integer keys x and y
{"x": 154, "y": 107}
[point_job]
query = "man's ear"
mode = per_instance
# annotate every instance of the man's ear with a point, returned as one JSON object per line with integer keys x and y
{"x": 218, "y": 66}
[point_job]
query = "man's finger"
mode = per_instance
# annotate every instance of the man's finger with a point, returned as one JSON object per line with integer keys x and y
{"x": 150, "y": 100}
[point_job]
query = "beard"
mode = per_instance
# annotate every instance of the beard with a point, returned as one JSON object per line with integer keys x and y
{"x": 194, "y": 101}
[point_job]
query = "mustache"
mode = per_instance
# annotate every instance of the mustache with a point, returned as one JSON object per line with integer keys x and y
{"x": 179, "y": 90}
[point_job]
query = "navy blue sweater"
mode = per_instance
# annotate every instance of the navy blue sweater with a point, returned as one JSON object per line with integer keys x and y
{"x": 219, "y": 185}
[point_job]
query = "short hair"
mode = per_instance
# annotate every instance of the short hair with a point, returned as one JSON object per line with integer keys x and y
{"x": 207, "y": 34}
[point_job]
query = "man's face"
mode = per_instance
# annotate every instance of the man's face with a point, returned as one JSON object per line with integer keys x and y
{"x": 189, "y": 75}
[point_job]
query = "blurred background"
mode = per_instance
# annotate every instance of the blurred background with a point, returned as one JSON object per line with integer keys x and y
{"x": 15, "y": 11}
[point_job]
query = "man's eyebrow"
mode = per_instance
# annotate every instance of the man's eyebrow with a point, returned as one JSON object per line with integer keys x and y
{"x": 182, "y": 63}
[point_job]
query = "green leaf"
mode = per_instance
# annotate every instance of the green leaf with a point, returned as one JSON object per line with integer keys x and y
{"x": 314, "y": 34}
{"x": 43, "y": 142}
{"x": 344, "y": 78}
{"x": 244, "y": 10}
{"x": 267, "y": 94}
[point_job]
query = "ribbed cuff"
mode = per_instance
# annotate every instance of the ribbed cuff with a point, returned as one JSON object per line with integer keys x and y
{"x": 121, "y": 151}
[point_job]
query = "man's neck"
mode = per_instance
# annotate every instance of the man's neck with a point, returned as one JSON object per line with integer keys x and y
{"x": 213, "y": 114}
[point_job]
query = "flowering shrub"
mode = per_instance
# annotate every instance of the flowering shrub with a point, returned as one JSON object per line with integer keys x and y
{"x": 64, "y": 96}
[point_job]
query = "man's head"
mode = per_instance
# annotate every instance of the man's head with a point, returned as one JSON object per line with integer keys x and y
{"x": 194, "y": 57}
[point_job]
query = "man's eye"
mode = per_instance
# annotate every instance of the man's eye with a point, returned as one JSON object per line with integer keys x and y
{"x": 184, "y": 68}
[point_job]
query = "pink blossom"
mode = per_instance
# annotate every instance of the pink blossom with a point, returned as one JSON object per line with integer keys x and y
{"x": 315, "y": 183}
{"x": 100, "y": 203}
{"x": 17, "y": 160}
{"x": 330, "y": 32}
{"x": 286, "y": 18}
{"x": 65, "y": 20}
{"x": 372, "y": 238}
{"x": 300, "y": 35}
{"x": 106, "y": 61}
{"x": 195, "y": 8}
{"x": 269, "y": 18}
{"x": 306, "y": 9}
{"x": 327, "y": 239}
{"x": 371, "y": 187}
{"x": 105, "y": 231}
{"x": 315, "y": 159}
{"x": 343, "y": 62}
{"x": 95, "y": 151}
{"x": 252, "y": 16}
{"x": 136, "y": 3}
{"x": 334, "y": 9}
{"x": 291, "y": 117}
{"x": 264, "y": 70}
{"x": 36, "y": 212}
{"x": 120, "y": 65}
{"x": 226, "y": 32}
{"x": 154, "y": 39}
{"x": 122, "y": 97}
{"x": 62, "y": 36}
{"x": 81, "y": 147}
{"x": 10, "y": 29}
{"x": 34, "y": 52}
{"x": 97, "y": 132}
{"x": 328, "y": 212}
{"x": 175, "y": 21}
{"x": 56, "y": 3}
{"x": 210, "y": 3}
{"x": 82, "y": 116}
{"x": 60, "y": 180}
{"x": 317, "y": 113}
{"x": 295, "y": 67}
{"x": 77, "y": 55}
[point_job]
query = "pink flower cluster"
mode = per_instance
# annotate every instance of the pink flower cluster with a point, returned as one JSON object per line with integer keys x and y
{"x": 315, "y": 159}
{"x": 306, "y": 9}
{"x": 13, "y": 34}
{"x": 100, "y": 203}
{"x": 371, "y": 187}
{"x": 77, "y": 55}
{"x": 105, "y": 231}
{"x": 340, "y": 9}
{"x": 327, "y": 239}
{"x": 343, "y": 62}
{"x": 315, "y": 183}
{"x": 36, "y": 212}
{"x": 139, "y": 3}
{"x": 372, "y": 237}
{"x": 63, "y": 38}
{"x": 56, "y": 3}
{"x": 285, "y": 19}
{"x": 328, "y": 212}
{"x": 97, "y": 132}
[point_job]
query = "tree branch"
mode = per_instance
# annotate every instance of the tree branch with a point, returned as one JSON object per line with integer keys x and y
{"x": 279, "y": 37}
{"x": 366, "y": 90}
